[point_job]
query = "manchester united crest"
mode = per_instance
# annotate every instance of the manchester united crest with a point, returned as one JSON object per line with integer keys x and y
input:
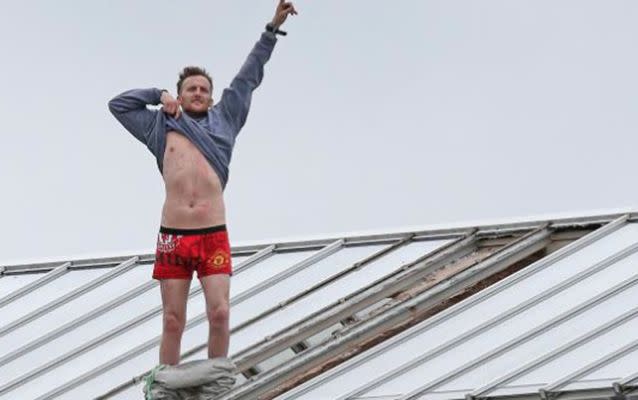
{"x": 219, "y": 259}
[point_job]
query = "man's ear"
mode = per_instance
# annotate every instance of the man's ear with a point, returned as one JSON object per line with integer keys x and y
{"x": 179, "y": 100}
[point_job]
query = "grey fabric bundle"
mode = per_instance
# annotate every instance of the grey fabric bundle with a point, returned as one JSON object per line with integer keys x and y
{"x": 194, "y": 380}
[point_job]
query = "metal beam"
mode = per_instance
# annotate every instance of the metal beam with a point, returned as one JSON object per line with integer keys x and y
{"x": 627, "y": 381}
{"x": 595, "y": 393}
{"x": 87, "y": 263}
{"x": 48, "y": 277}
{"x": 256, "y": 258}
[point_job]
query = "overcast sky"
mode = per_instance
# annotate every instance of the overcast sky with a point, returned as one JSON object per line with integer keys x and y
{"x": 372, "y": 115}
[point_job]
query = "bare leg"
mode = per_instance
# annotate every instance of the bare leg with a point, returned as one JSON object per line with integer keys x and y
{"x": 174, "y": 297}
{"x": 216, "y": 291}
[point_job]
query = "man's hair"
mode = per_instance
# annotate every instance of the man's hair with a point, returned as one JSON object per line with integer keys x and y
{"x": 192, "y": 71}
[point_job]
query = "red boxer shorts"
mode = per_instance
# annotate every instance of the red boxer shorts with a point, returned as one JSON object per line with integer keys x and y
{"x": 182, "y": 251}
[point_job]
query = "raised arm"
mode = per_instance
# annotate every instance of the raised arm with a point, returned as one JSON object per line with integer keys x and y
{"x": 236, "y": 99}
{"x": 130, "y": 109}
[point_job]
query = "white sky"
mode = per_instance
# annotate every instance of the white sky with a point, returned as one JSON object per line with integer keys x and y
{"x": 371, "y": 115}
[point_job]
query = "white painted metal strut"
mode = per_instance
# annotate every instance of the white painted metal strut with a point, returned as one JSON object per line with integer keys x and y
{"x": 255, "y": 258}
{"x": 46, "y": 278}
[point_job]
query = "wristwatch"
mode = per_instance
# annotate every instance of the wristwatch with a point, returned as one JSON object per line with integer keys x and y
{"x": 270, "y": 28}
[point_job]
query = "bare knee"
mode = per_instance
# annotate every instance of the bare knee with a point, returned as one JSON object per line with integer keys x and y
{"x": 174, "y": 323}
{"x": 218, "y": 315}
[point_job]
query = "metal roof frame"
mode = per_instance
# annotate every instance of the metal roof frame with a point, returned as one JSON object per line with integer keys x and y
{"x": 48, "y": 277}
{"x": 536, "y": 235}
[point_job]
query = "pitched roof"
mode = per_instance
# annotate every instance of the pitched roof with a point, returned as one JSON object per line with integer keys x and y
{"x": 477, "y": 311}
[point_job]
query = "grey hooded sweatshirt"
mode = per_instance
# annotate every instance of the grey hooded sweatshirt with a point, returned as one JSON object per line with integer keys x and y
{"x": 215, "y": 134}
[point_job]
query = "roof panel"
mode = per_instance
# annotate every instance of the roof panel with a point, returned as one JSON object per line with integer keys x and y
{"x": 265, "y": 269}
{"x": 42, "y": 295}
{"x": 11, "y": 283}
{"x": 111, "y": 377}
{"x": 615, "y": 370}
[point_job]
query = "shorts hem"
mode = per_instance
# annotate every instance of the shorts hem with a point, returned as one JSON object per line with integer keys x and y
{"x": 229, "y": 273}
{"x": 181, "y": 277}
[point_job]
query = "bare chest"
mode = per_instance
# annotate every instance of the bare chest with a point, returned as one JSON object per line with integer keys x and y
{"x": 184, "y": 165}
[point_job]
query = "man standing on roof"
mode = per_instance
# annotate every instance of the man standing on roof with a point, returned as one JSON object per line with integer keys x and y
{"x": 192, "y": 140}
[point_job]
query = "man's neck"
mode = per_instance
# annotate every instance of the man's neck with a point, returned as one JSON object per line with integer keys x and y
{"x": 196, "y": 115}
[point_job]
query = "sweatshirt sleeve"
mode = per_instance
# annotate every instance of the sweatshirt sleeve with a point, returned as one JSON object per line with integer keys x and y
{"x": 130, "y": 109}
{"x": 235, "y": 100}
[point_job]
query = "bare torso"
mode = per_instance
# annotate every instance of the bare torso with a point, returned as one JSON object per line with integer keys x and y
{"x": 194, "y": 196}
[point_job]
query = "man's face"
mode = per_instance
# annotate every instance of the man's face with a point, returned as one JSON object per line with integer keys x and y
{"x": 196, "y": 94}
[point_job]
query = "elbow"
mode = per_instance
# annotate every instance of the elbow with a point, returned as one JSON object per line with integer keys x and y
{"x": 113, "y": 106}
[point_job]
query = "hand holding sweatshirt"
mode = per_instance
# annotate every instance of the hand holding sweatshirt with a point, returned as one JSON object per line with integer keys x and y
{"x": 213, "y": 135}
